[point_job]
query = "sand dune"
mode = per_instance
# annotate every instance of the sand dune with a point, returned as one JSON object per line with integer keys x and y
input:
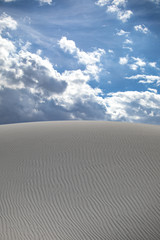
{"x": 79, "y": 181}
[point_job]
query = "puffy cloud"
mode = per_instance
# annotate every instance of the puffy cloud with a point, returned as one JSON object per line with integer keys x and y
{"x": 123, "y": 60}
{"x": 152, "y": 64}
{"x": 149, "y": 79}
{"x": 119, "y": 2}
{"x": 141, "y": 28}
{"x": 68, "y": 45}
{"x": 29, "y": 70}
{"x": 45, "y": 1}
{"x": 129, "y": 48}
{"x": 122, "y": 32}
{"x": 32, "y": 90}
{"x": 117, "y": 7}
{"x": 21, "y": 105}
{"x": 128, "y": 41}
{"x": 102, "y": 3}
{"x": 90, "y": 59}
{"x": 137, "y": 62}
{"x": 86, "y": 58}
{"x": 113, "y": 2}
{"x": 24, "y": 69}
{"x": 7, "y": 22}
{"x": 133, "y": 106}
{"x": 124, "y": 15}
{"x": 80, "y": 98}
{"x": 110, "y": 51}
{"x": 26, "y": 79}
{"x": 152, "y": 90}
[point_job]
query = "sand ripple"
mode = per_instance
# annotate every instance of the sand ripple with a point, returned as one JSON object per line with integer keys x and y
{"x": 79, "y": 180}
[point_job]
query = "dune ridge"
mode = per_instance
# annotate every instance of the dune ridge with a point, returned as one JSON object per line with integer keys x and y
{"x": 79, "y": 180}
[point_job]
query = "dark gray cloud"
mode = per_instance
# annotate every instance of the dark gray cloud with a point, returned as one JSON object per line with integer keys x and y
{"x": 22, "y": 106}
{"x": 88, "y": 110}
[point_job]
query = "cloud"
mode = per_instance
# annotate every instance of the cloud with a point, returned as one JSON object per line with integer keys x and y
{"x": 141, "y": 28}
{"x": 129, "y": 48}
{"x": 68, "y": 45}
{"x": 7, "y": 22}
{"x": 128, "y": 41}
{"x": 155, "y": 1}
{"x": 21, "y": 105}
{"x": 124, "y": 15}
{"x": 102, "y": 3}
{"x": 149, "y": 79}
{"x": 24, "y": 76}
{"x": 137, "y": 62}
{"x": 79, "y": 97}
{"x": 123, "y": 60}
{"x": 90, "y": 59}
{"x": 152, "y": 90}
{"x": 117, "y": 7}
{"x": 111, "y": 51}
{"x": 133, "y": 62}
{"x": 24, "y": 69}
{"x": 32, "y": 90}
{"x": 122, "y": 32}
{"x": 42, "y": 2}
{"x": 134, "y": 106}
{"x": 45, "y": 2}
{"x": 152, "y": 64}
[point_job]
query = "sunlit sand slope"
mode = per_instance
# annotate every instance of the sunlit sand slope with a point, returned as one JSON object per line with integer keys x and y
{"x": 79, "y": 181}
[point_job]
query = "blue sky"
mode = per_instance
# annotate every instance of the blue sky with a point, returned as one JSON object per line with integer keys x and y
{"x": 80, "y": 60}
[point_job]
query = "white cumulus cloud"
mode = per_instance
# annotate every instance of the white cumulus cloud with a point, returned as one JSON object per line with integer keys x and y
{"x": 7, "y": 22}
{"x": 123, "y": 60}
{"x": 122, "y": 32}
{"x": 128, "y": 41}
{"x": 152, "y": 64}
{"x": 141, "y": 28}
{"x": 124, "y": 15}
{"x": 146, "y": 78}
{"x": 137, "y": 63}
{"x": 118, "y": 7}
{"x": 45, "y": 2}
{"x": 90, "y": 59}
{"x": 152, "y": 90}
{"x": 32, "y": 90}
{"x": 134, "y": 106}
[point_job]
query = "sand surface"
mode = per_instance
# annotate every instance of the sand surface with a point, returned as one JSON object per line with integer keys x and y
{"x": 79, "y": 181}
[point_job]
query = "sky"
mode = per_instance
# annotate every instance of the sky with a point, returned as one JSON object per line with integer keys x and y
{"x": 80, "y": 60}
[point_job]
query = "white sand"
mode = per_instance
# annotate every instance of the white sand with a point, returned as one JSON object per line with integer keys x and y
{"x": 79, "y": 181}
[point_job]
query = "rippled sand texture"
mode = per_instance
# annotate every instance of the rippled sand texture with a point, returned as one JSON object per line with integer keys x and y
{"x": 79, "y": 181}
